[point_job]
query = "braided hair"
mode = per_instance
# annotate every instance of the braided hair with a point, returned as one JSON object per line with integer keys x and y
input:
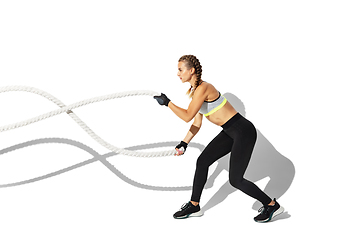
{"x": 192, "y": 62}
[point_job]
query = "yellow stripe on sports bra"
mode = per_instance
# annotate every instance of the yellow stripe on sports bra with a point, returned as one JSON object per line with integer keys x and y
{"x": 217, "y": 108}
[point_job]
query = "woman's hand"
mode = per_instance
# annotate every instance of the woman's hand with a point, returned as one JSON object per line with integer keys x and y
{"x": 181, "y": 148}
{"x": 162, "y": 99}
{"x": 179, "y": 152}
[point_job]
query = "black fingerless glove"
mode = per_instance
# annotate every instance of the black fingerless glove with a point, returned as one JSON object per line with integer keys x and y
{"x": 162, "y": 99}
{"x": 182, "y": 144}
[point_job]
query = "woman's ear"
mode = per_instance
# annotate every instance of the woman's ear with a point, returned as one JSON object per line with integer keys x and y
{"x": 192, "y": 71}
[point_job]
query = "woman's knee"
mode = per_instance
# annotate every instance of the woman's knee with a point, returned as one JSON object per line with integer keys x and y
{"x": 235, "y": 182}
{"x": 238, "y": 183}
{"x": 202, "y": 162}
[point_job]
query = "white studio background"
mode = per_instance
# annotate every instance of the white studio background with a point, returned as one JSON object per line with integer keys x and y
{"x": 293, "y": 64}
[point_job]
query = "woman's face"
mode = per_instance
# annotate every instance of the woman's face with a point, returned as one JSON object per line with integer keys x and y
{"x": 183, "y": 73}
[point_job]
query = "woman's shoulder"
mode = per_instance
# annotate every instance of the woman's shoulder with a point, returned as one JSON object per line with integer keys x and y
{"x": 208, "y": 90}
{"x": 205, "y": 86}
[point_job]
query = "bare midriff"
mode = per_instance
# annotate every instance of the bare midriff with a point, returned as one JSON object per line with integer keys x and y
{"x": 221, "y": 116}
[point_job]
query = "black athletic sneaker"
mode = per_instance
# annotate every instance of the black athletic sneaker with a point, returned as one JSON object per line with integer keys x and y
{"x": 188, "y": 210}
{"x": 269, "y": 212}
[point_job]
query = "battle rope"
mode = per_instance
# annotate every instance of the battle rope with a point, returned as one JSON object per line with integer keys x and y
{"x": 68, "y": 109}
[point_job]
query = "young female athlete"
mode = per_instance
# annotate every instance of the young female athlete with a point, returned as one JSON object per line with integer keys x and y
{"x": 238, "y": 136}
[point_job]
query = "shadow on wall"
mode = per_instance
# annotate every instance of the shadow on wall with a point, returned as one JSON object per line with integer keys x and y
{"x": 266, "y": 161}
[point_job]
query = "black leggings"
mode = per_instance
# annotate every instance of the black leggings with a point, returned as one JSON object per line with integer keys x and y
{"x": 238, "y": 137}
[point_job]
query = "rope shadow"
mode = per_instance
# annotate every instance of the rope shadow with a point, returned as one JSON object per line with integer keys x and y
{"x": 96, "y": 157}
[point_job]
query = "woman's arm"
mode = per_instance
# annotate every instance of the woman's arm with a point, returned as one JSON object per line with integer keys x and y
{"x": 188, "y": 114}
{"x": 194, "y": 129}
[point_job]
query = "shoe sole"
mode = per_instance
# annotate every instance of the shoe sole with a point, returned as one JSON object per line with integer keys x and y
{"x": 196, "y": 214}
{"x": 272, "y": 215}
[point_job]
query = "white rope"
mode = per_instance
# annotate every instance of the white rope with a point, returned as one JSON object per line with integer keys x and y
{"x": 67, "y": 109}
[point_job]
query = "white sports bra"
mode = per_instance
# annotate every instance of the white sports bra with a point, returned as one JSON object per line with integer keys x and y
{"x": 208, "y": 108}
